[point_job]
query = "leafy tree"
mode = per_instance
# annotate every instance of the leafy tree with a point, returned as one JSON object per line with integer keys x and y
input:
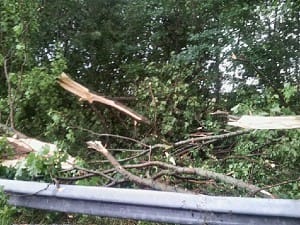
{"x": 175, "y": 62}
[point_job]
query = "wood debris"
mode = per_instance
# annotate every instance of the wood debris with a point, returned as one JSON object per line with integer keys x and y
{"x": 23, "y": 146}
{"x": 267, "y": 122}
{"x": 70, "y": 85}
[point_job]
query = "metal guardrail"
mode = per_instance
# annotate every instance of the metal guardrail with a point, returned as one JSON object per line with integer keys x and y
{"x": 152, "y": 205}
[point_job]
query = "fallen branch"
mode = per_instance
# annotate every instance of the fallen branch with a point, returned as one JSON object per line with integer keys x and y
{"x": 96, "y": 145}
{"x": 183, "y": 149}
{"x": 172, "y": 170}
{"x": 120, "y": 137}
{"x": 275, "y": 185}
{"x": 214, "y": 137}
{"x": 70, "y": 85}
{"x": 136, "y": 156}
{"x": 204, "y": 173}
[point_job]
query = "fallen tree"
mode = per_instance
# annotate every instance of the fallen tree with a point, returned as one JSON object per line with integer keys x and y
{"x": 152, "y": 183}
{"x": 23, "y": 146}
{"x": 143, "y": 167}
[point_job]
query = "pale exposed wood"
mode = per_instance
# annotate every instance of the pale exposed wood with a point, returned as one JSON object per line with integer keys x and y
{"x": 270, "y": 122}
{"x": 23, "y": 146}
{"x": 19, "y": 146}
{"x": 70, "y": 85}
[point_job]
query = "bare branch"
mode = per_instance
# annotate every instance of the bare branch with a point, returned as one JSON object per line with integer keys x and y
{"x": 204, "y": 173}
{"x": 125, "y": 138}
{"x": 220, "y": 136}
{"x": 275, "y": 185}
{"x": 114, "y": 136}
{"x": 128, "y": 158}
{"x": 96, "y": 145}
{"x": 172, "y": 169}
{"x": 94, "y": 172}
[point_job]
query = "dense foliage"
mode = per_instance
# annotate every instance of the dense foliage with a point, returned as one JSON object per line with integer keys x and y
{"x": 180, "y": 60}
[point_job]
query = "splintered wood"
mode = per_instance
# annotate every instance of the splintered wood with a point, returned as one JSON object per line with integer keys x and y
{"x": 70, "y": 85}
{"x": 270, "y": 122}
{"x": 23, "y": 146}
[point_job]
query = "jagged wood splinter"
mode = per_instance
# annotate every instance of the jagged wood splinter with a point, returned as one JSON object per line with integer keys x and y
{"x": 70, "y": 85}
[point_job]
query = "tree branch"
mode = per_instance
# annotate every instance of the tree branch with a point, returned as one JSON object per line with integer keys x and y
{"x": 214, "y": 137}
{"x": 70, "y": 85}
{"x": 96, "y": 145}
{"x": 204, "y": 173}
{"x": 275, "y": 185}
{"x": 174, "y": 169}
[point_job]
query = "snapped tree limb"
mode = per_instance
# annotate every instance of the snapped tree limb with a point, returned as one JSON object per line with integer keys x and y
{"x": 70, "y": 85}
{"x": 267, "y": 122}
{"x": 213, "y": 137}
{"x": 207, "y": 174}
{"x": 23, "y": 146}
{"x": 96, "y": 145}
